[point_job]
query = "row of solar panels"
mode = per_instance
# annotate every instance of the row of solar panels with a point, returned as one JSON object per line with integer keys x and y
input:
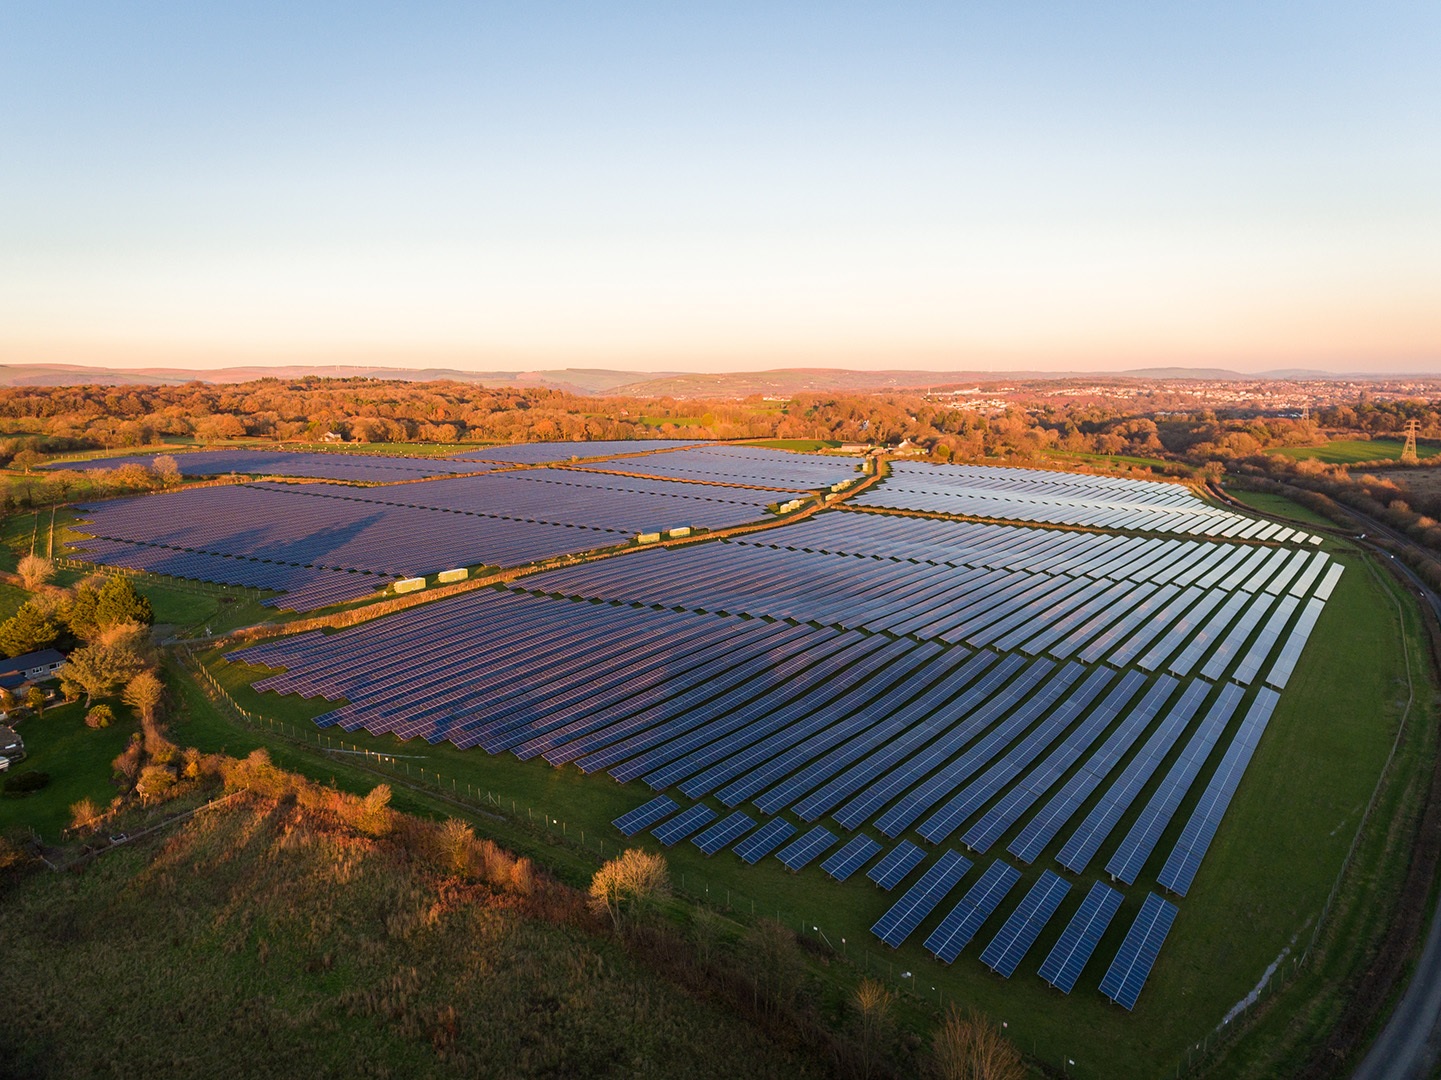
{"x": 1062, "y": 967}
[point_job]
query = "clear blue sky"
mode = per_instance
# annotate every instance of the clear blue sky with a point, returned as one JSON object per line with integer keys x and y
{"x": 722, "y": 187}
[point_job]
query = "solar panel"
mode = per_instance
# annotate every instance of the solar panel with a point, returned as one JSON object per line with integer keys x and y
{"x": 1064, "y": 963}
{"x": 682, "y": 825}
{"x": 899, "y": 861}
{"x": 921, "y": 898}
{"x": 719, "y": 835}
{"x": 764, "y": 840}
{"x": 850, "y": 858}
{"x": 800, "y": 852}
{"x": 1020, "y": 931}
{"x": 971, "y": 911}
{"x": 1137, "y": 955}
{"x": 646, "y": 815}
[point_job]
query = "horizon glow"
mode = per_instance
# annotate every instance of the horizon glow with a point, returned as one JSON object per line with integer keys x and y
{"x": 997, "y": 187}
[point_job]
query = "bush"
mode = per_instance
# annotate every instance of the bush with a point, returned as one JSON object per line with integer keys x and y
{"x": 102, "y": 716}
{"x": 22, "y": 784}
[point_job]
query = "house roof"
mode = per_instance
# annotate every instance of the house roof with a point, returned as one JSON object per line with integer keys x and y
{"x": 29, "y": 661}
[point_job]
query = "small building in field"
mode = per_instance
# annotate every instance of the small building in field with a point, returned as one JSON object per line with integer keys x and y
{"x": 30, "y": 668}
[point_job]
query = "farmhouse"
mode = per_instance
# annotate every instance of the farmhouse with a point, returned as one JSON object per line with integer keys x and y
{"x": 30, "y": 667}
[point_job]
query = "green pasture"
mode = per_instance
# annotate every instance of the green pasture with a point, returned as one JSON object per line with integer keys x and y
{"x": 1354, "y": 451}
{"x": 804, "y": 446}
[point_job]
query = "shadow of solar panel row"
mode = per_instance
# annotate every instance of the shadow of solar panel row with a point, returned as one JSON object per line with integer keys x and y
{"x": 1067, "y": 958}
{"x": 566, "y": 497}
{"x": 1185, "y": 858}
{"x": 306, "y": 588}
{"x": 853, "y": 855}
{"x": 1146, "y": 832}
{"x": 778, "y": 469}
{"x": 1062, "y": 498}
{"x": 542, "y": 452}
{"x": 964, "y": 920}
{"x": 902, "y": 917}
{"x": 363, "y": 468}
{"x": 1020, "y": 931}
{"x": 1128, "y": 971}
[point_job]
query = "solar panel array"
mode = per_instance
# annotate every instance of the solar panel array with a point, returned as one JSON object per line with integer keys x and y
{"x": 1064, "y": 499}
{"x": 292, "y": 537}
{"x": 361, "y": 468}
{"x": 545, "y": 452}
{"x": 898, "y": 676}
{"x": 746, "y": 465}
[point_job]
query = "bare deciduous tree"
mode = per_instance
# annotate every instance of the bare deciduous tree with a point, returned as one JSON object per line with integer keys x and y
{"x": 967, "y": 1046}
{"x": 35, "y": 571}
{"x": 629, "y": 883}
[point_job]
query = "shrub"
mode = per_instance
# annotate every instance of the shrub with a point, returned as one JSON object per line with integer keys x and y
{"x": 102, "y": 716}
{"x": 25, "y": 783}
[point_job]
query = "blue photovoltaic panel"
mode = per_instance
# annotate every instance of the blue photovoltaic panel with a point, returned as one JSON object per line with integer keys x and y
{"x": 851, "y": 858}
{"x": 1137, "y": 955}
{"x": 921, "y": 898}
{"x": 800, "y": 852}
{"x": 1062, "y": 967}
{"x": 766, "y": 839}
{"x": 646, "y": 815}
{"x": 1185, "y": 858}
{"x": 970, "y": 913}
{"x": 682, "y": 825}
{"x": 1020, "y": 931}
{"x": 723, "y": 832}
{"x": 900, "y": 861}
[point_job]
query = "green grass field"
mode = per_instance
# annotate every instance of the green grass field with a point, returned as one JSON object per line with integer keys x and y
{"x": 77, "y": 760}
{"x": 1354, "y": 451}
{"x": 805, "y": 446}
{"x": 1263, "y": 883}
{"x": 1279, "y": 506}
